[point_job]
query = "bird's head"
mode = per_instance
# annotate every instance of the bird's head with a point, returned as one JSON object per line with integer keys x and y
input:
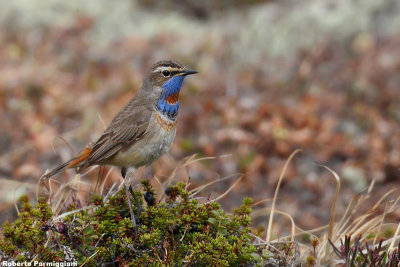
{"x": 166, "y": 78}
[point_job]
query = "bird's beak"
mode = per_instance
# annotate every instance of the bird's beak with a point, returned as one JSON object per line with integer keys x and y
{"x": 188, "y": 72}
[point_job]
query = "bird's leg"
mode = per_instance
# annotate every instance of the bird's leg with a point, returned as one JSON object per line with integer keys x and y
{"x": 127, "y": 173}
{"x": 139, "y": 207}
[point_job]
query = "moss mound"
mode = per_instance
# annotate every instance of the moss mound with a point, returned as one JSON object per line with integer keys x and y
{"x": 176, "y": 231}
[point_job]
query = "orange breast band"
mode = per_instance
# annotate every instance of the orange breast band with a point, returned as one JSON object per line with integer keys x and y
{"x": 165, "y": 124}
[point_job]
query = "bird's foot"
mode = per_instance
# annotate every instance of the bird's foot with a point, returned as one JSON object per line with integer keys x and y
{"x": 139, "y": 207}
{"x": 127, "y": 174}
{"x": 130, "y": 205}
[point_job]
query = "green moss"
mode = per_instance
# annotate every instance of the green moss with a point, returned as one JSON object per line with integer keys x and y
{"x": 25, "y": 237}
{"x": 177, "y": 231}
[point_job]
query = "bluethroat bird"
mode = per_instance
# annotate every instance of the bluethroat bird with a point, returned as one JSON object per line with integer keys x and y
{"x": 142, "y": 131}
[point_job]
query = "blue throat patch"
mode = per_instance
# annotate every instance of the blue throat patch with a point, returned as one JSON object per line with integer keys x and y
{"x": 172, "y": 86}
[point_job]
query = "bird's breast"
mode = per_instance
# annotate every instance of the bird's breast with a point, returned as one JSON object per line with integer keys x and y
{"x": 164, "y": 123}
{"x": 156, "y": 141}
{"x": 160, "y": 136}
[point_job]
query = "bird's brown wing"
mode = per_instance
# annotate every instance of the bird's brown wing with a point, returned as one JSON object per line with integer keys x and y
{"x": 126, "y": 128}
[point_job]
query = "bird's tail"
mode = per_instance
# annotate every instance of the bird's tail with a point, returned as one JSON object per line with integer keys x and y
{"x": 72, "y": 163}
{"x": 56, "y": 170}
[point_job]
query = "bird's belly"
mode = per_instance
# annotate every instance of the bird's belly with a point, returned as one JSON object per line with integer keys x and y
{"x": 156, "y": 142}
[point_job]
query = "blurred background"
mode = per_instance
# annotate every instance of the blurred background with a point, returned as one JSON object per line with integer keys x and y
{"x": 274, "y": 76}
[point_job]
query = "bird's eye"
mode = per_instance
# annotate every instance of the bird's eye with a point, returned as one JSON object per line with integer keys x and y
{"x": 166, "y": 73}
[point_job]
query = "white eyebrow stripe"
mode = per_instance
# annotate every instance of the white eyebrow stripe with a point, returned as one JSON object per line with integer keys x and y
{"x": 160, "y": 69}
